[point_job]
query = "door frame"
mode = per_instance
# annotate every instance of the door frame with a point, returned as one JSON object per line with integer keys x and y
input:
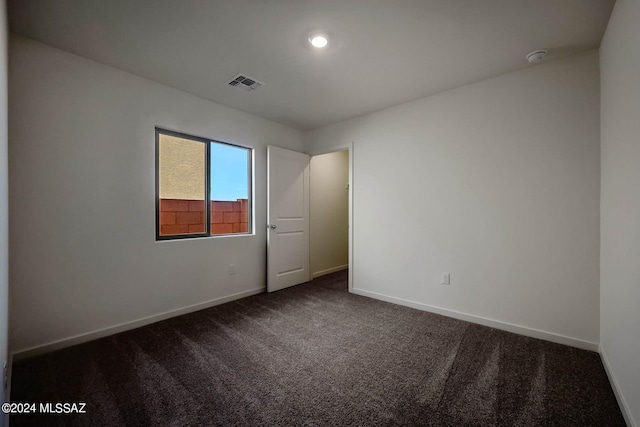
{"x": 349, "y": 148}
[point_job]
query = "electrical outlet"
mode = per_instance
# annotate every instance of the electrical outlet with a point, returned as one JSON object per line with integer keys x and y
{"x": 446, "y": 278}
{"x": 233, "y": 269}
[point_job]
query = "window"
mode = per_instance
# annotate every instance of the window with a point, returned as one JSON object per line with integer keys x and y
{"x": 203, "y": 187}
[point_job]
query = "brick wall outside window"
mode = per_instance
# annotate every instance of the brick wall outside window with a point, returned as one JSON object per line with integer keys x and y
{"x": 179, "y": 216}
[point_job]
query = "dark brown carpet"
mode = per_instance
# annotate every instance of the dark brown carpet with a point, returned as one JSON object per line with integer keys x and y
{"x": 315, "y": 355}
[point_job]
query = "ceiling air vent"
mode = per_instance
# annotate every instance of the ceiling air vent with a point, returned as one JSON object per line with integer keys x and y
{"x": 245, "y": 83}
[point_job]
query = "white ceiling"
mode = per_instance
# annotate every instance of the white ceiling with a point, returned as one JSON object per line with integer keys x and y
{"x": 383, "y": 52}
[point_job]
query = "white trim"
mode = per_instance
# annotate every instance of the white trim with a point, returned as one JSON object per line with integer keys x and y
{"x": 111, "y": 330}
{"x": 624, "y": 406}
{"x": 351, "y": 273}
{"x": 509, "y": 327}
{"x": 317, "y": 274}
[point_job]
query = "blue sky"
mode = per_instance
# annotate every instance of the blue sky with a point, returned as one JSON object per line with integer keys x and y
{"x": 229, "y": 172}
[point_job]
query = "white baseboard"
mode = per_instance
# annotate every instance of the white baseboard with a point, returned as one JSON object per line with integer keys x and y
{"x": 329, "y": 271}
{"x": 509, "y": 327}
{"x": 111, "y": 330}
{"x": 624, "y": 406}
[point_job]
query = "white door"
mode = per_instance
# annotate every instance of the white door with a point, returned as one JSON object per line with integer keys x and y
{"x": 287, "y": 218}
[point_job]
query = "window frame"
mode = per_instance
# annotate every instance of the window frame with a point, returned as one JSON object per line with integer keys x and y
{"x": 207, "y": 142}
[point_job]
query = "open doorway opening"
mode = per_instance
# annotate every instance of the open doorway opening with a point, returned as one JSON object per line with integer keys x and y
{"x": 329, "y": 213}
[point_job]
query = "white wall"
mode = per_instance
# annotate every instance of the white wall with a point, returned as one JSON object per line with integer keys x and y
{"x": 83, "y": 253}
{"x": 4, "y": 203}
{"x": 329, "y": 213}
{"x": 620, "y": 209}
{"x": 496, "y": 183}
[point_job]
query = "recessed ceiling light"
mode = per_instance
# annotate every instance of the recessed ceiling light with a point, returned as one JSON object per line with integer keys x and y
{"x": 319, "y": 41}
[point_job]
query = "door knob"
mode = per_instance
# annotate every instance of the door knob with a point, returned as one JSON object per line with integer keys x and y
{"x": 272, "y": 226}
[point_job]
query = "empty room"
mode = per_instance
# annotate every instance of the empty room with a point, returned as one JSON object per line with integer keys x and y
{"x": 323, "y": 213}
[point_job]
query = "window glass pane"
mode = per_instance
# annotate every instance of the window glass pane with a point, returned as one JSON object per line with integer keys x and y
{"x": 230, "y": 188}
{"x": 182, "y": 183}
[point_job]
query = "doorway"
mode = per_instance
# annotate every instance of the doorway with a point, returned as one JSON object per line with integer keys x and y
{"x": 330, "y": 208}
{"x": 288, "y": 205}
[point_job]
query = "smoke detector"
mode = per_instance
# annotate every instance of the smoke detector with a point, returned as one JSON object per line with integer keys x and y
{"x": 536, "y": 56}
{"x": 244, "y": 83}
